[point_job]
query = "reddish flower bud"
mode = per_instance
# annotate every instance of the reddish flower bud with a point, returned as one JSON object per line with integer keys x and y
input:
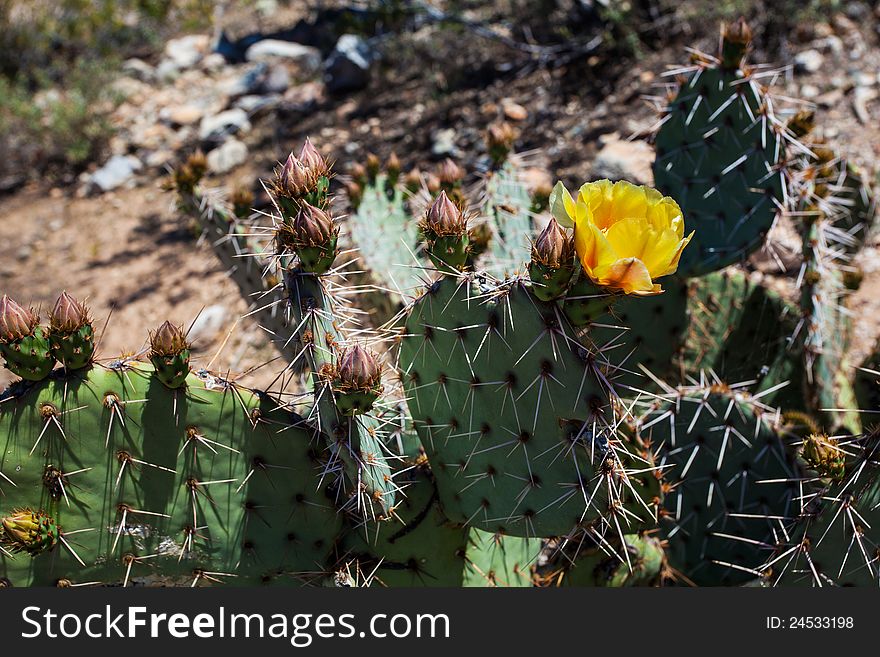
{"x": 358, "y": 369}
{"x": 444, "y": 217}
{"x": 312, "y": 160}
{"x": 312, "y": 226}
{"x": 68, "y": 315}
{"x": 449, "y": 172}
{"x": 553, "y": 247}
{"x": 167, "y": 340}
{"x": 15, "y": 322}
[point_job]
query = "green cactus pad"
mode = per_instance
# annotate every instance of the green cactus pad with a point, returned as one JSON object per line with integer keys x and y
{"x": 825, "y": 333}
{"x": 718, "y": 156}
{"x": 387, "y": 237}
{"x": 419, "y": 547}
{"x": 644, "y": 332}
{"x": 73, "y": 350}
{"x": 732, "y": 477}
{"x": 834, "y": 540}
{"x": 172, "y": 370}
{"x": 507, "y": 204}
{"x": 499, "y": 560}
{"x": 30, "y": 357}
{"x": 152, "y": 484}
{"x": 519, "y": 441}
{"x": 638, "y": 561}
{"x": 742, "y": 332}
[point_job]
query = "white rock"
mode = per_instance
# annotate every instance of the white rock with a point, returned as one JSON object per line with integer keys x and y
{"x": 138, "y": 68}
{"x": 348, "y": 66}
{"x": 118, "y": 170}
{"x": 208, "y": 324}
{"x": 182, "y": 114}
{"x": 224, "y": 123}
{"x": 808, "y": 61}
{"x": 810, "y": 91}
{"x": 307, "y": 57}
{"x": 255, "y": 103}
{"x": 187, "y": 51}
{"x": 444, "y": 142}
{"x": 227, "y": 156}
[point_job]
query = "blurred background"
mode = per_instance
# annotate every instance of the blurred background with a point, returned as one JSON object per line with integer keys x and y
{"x": 99, "y": 99}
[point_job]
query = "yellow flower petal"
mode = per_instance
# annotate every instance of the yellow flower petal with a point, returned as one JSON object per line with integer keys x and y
{"x": 665, "y": 213}
{"x": 625, "y": 235}
{"x": 562, "y": 206}
{"x": 630, "y": 238}
{"x": 628, "y": 275}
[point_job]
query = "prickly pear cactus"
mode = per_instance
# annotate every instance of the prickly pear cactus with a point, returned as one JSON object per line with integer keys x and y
{"x": 732, "y": 476}
{"x": 387, "y": 237}
{"x": 507, "y": 205}
{"x": 585, "y": 560}
{"x": 719, "y": 154}
{"x": 833, "y": 540}
{"x": 485, "y": 430}
{"x": 148, "y": 483}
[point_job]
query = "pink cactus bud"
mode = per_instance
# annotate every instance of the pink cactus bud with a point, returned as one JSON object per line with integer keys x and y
{"x": 359, "y": 369}
{"x": 445, "y": 218}
{"x": 313, "y": 226}
{"x": 312, "y": 160}
{"x": 68, "y": 315}
{"x": 167, "y": 340}
{"x": 15, "y": 322}
{"x": 553, "y": 246}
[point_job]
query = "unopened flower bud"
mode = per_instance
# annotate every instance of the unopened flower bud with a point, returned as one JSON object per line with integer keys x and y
{"x": 359, "y": 173}
{"x": 738, "y": 32}
{"x": 444, "y": 217}
{"x": 294, "y": 179}
{"x": 242, "y": 201}
{"x": 392, "y": 166}
{"x": 312, "y": 226}
{"x": 25, "y": 530}
{"x": 553, "y": 246}
{"x": 358, "y": 369}
{"x": 735, "y": 40}
{"x": 413, "y": 180}
{"x": 312, "y": 160}
{"x": 68, "y": 315}
{"x": 802, "y": 123}
{"x": 15, "y": 322}
{"x": 357, "y": 382}
{"x": 167, "y": 340}
{"x": 449, "y": 172}
{"x": 499, "y": 139}
{"x": 823, "y": 454}
{"x": 373, "y": 165}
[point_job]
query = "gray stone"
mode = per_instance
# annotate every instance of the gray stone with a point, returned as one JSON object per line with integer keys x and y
{"x": 227, "y": 156}
{"x": 223, "y": 124}
{"x": 808, "y": 61}
{"x": 348, "y": 66}
{"x": 186, "y": 51}
{"x": 443, "y": 142}
{"x": 139, "y": 69}
{"x": 256, "y": 104}
{"x": 276, "y": 80}
{"x": 306, "y": 57}
{"x": 244, "y": 84}
{"x": 208, "y": 325}
{"x": 117, "y": 171}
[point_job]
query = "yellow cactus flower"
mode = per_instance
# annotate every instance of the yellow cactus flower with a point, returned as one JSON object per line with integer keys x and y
{"x": 625, "y": 235}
